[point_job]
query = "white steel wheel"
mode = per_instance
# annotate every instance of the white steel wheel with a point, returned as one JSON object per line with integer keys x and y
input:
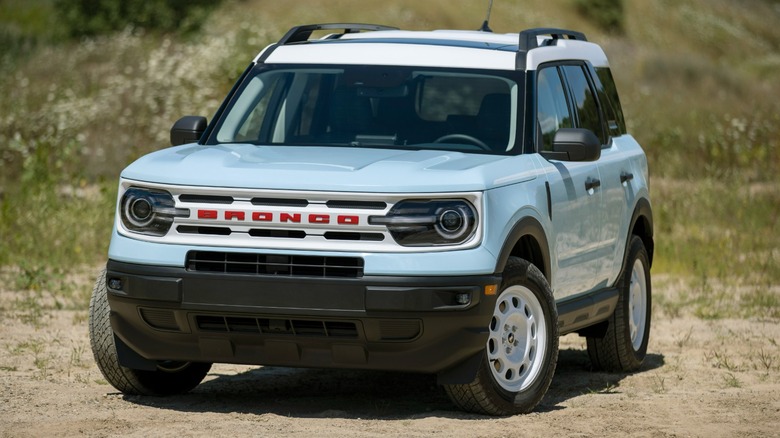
{"x": 637, "y": 305}
{"x": 517, "y": 339}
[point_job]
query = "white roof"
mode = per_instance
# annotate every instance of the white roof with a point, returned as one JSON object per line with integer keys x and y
{"x": 455, "y": 35}
{"x": 457, "y": 49}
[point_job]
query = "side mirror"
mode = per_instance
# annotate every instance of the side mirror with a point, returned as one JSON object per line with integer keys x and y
{"x": 575, "y": 144}
{"x": 187, "y": 129}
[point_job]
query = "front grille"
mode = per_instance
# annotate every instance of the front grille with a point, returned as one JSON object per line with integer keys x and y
{"x": 269, "y": 326}
{"x": 275, "y": 264}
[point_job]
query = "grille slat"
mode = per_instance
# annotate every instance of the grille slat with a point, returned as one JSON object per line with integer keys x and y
{"x": 280, "y": 202}
{"x": 206, "y": 199}
{"x": 275, "y": 264}
{"x": 267, "y": 326}
{"x": 212, "y": 323}
{"x": 367, "y": 205}
{"x": 341, "y": 235}
{"x": 282, "y": 234}
{"x": 214, "y": 231}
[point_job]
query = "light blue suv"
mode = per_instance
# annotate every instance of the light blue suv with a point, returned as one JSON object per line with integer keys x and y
{"x": 444, "y": 202}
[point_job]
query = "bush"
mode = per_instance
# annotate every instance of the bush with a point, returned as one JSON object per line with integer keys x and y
{"x": 94, "y": 17}
{"x": 606, "y": 13}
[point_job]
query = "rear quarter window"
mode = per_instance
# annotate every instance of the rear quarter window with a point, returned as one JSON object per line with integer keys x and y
{"x": 605, "y": 85}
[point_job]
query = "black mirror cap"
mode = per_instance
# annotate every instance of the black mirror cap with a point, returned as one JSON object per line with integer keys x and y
{"x": 576, "y": 144}
{"x": 188, "y": 129}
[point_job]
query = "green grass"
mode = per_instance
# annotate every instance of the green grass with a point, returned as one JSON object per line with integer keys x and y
{"x": 731, "y": 381}
{"x": 714, "y": 227}
{"x": 49, "y": 229}
{"x": 697, "y": 79}
{"x": 720, "y": 235}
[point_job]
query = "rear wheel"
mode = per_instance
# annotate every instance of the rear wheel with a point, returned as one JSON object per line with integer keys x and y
{"x": 624, "y": 346}
{"x": 169, "y": 378}
{"x": 522, "y": 347}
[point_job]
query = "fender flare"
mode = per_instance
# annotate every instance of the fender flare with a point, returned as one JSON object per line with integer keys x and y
{"x": 642, "y": 210}
{"x": 527, "y": 226}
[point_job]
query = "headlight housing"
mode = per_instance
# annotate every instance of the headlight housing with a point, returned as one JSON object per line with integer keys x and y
{"x": 148, "y": 211}
{"x": 429, "y": 222}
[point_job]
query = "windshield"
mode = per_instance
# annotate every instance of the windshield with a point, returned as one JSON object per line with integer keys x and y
{"x": 374, "y": 106}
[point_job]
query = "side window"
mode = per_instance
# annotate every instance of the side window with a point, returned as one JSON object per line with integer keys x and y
{"x": 584, "y": 100}
{"x": 608, "y": 93}
{"x": 552, "y": 109}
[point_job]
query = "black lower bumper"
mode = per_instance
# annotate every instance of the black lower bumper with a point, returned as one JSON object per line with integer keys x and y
{"x": 417, "y": 324}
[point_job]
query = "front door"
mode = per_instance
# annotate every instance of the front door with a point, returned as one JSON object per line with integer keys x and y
{"x": 576, "y": 198}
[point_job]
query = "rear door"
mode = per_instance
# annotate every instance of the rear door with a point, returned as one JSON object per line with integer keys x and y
{"x": 616, "y": 170}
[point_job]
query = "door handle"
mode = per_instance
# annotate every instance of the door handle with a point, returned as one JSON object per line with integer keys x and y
{"x": 592, "y": 183}
{"x": 626, "y": 176}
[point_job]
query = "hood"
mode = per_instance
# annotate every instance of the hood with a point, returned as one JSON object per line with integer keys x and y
{"x": 330, "y": 168}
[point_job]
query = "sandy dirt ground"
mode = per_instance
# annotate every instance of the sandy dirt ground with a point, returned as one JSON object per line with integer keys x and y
{"x": 707, "y": 378}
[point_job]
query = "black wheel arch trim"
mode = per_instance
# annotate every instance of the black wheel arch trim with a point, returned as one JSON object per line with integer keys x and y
{"x": 527, "y": 226}
{"x": 644, "y": 212}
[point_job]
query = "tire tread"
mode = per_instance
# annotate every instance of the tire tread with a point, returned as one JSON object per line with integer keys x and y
{"x": 127, "y": 380}
{"x": 614, "y": 352}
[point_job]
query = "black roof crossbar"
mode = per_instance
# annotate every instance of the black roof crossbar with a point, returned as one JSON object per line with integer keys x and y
{"x": 300, "y": 34}
{"x": 528, "y": 39}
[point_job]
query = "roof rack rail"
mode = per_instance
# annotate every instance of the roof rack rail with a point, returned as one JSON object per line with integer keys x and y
{"x": 300, "y": 34}
{"x": 528, "y": 39}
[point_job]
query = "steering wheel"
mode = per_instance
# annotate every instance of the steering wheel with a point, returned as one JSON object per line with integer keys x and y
{"x": 468, "y": 138}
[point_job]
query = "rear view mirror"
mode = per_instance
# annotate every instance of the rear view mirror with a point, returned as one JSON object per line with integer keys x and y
{"x": 187, "y": 129}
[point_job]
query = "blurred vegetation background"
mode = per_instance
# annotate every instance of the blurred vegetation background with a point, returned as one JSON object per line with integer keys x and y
{"x": 87, "y": 86}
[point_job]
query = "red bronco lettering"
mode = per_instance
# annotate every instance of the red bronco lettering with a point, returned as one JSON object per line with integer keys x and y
{"x": 284, "y": 217}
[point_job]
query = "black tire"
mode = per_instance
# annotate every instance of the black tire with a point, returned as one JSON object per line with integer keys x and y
{"x": 504, "y": 385}
{"x": 169, "y": 378}
{"x": 624, "y": 346}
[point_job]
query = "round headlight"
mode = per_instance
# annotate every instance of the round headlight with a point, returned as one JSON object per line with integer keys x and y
{"x": 429, "y": 222}
{"x": 141, "y": 211}
{"x": 452, "y": 223}
{"x": 149, "y": 211}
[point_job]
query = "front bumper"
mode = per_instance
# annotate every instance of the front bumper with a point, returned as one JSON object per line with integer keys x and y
{"x": 415, "y": 324}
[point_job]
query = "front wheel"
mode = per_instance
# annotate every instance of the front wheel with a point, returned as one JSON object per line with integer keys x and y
{"x": 624, "y": 346}
{"x": 521, "y": 350}
{"x": 169, "y": 378}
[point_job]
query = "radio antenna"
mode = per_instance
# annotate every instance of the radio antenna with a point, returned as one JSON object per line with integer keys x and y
{"x": 485, "y": 27}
